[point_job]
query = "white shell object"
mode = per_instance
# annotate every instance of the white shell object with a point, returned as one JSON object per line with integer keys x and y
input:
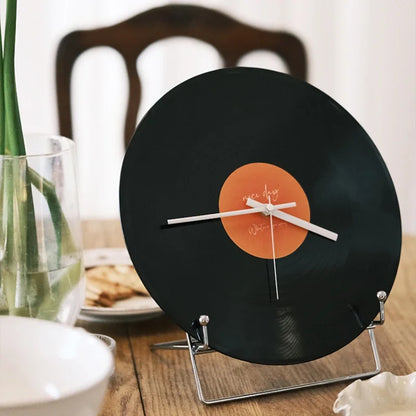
{"x": 383, "y": 395}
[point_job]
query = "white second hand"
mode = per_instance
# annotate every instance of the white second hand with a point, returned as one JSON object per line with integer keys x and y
{"x": 274, "y": 256}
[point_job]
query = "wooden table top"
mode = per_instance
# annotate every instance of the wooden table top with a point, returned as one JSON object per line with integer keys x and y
{"x": 161, "y": 382}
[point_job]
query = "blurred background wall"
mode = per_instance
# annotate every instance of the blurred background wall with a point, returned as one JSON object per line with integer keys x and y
{"x": 362, "y": 53}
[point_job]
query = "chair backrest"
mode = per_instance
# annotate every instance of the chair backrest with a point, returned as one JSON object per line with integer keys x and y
{"x": 231, "y": 38}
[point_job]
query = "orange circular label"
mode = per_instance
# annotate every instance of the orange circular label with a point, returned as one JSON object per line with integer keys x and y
{"x": 264, "y": 183}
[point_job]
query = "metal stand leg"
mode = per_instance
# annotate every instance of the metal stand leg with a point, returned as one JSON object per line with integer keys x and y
{"x": 196, "y": 347}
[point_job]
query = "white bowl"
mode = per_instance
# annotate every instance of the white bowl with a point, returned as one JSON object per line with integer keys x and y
{"x": 49, "y": 369}
{"x": 384, "y": 394}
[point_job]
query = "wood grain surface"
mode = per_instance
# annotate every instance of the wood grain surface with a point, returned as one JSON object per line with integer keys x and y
{"x": 160, "y": 383}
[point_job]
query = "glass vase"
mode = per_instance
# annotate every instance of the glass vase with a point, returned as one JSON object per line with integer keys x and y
{"x": 41, "y": 271}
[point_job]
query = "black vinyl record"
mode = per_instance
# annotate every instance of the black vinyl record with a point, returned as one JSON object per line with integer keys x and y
{"x": 227, "y": 133}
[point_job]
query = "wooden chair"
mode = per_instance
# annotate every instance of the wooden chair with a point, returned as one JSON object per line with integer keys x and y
{"x": 231, "y": 38}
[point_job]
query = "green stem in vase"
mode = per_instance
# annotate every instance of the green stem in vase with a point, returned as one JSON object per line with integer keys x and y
{"x": 2, "y": 124}
{"x": 9, "y": 280}
{"x": 26, "y": 253}
{"x": 63, "y": 234}
{"x": 3, "y": 189}
{"x": 21, "y": 251}
{"x": 59, "y": 289}
{"x": 65, "y": 246}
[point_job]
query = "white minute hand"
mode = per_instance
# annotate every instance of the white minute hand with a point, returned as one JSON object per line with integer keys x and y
{"x": 295, "y": 220}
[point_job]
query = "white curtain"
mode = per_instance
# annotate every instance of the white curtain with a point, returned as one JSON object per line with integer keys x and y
{"x": 362, "y": 53}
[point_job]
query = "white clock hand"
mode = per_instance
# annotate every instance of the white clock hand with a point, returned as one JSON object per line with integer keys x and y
{"x": 294, "y": 220}
{"x": 259, "y": 208}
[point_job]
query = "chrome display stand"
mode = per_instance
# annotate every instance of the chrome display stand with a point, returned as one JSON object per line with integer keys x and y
{"x": 196, "y": 347}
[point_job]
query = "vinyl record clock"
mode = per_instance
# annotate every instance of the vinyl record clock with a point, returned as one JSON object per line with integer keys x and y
{"x": 256, "y": 199}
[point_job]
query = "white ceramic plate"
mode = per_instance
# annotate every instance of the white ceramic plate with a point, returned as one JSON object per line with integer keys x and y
{"x": 132, "y": 309}
{"x": 383, "y": 395}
